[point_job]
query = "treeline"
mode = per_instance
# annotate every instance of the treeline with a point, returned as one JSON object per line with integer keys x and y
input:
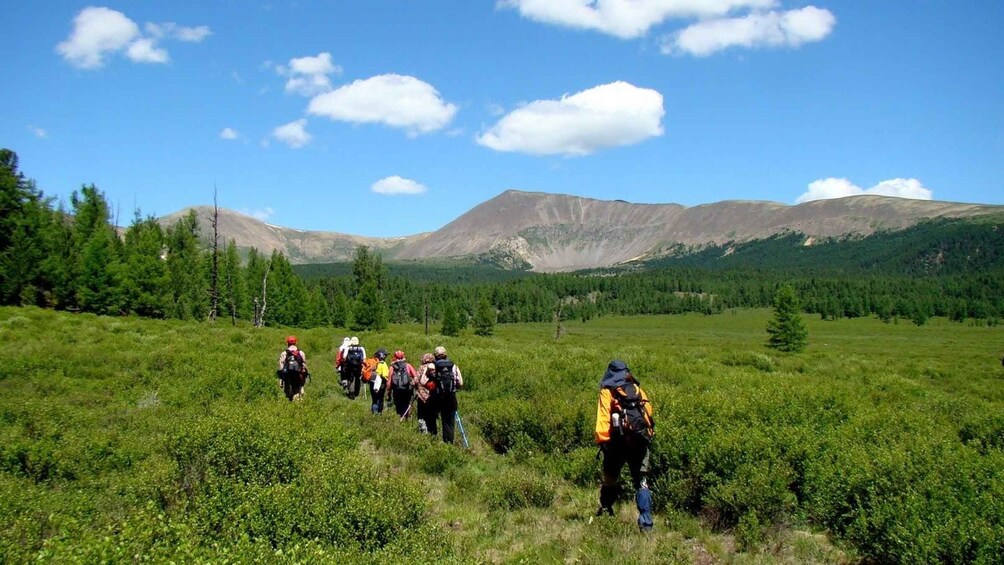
{"x": 78, "y": 260}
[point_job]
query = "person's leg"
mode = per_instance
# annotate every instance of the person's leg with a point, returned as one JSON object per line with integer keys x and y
{"x": 432, "y": 416}
{"x": 638, "y": 465}
{"x": 449, "y": 413}
{"x": 613, "y": 462}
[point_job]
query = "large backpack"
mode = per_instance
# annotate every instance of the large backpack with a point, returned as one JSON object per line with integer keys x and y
{"x": 446, "y": 385}
{"x": 637, "y": 427}
{"x": 353, "y": 360}
{"x": 293, "y": 365}
{"x": 400, "y": 379}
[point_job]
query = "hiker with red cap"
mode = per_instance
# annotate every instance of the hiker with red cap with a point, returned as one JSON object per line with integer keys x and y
{"x": 403, "y": 379}
{"x": 292, "y": 372}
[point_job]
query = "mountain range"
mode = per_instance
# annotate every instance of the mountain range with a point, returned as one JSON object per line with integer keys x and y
{"x": 554, "y": 232}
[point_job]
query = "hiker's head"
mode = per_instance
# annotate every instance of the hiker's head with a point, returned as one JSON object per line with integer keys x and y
{"x": 617, "y": 374}
{"x": 346, "y": 340}
{"x": 427, "y": 358}
{"x": 291, "y": 340}
{"x": 440, "y": 352}
{"x": 380, "y": 354}
{"x": 399, "y": 355}
{"x": 354, "y": 341}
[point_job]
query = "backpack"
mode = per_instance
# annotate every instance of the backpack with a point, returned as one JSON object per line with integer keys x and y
{"x": 400, "y": 379}
{"x": 446, "y": 385}
{"x": 636, "y": 424}
{"x": 353, "y": 359}
{"x": 293, "y": 364}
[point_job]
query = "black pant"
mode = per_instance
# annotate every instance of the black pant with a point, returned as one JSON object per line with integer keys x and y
{"x": 428, "y": 414}
{"x": 447, "y": 408}
{"x": 402, "y": 398}
{"x": 376, "y": 396}
{"x": 354, "y": 380}
{"x": 615, "y": 455}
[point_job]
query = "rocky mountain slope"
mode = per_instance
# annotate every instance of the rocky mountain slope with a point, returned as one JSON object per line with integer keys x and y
{"x": 553, "y": 232}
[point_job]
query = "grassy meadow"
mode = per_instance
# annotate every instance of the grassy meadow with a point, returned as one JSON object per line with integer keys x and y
{"x": 126, "y": 439}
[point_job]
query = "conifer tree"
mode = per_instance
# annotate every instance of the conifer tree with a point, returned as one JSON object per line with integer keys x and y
{"x": 787, "y": 330}
{"x": 144, "y": 273}
{"x": 186, "y": 269}
{"x": 369, "y": 311}
{"x": 340, "y": 310}
{"x": 234, "y": 286}
{"x": 484, "y": 317}
{"x": 451, "y": 320}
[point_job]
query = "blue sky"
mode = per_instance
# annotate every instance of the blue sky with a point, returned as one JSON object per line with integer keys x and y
{"x": 392, "y": 117}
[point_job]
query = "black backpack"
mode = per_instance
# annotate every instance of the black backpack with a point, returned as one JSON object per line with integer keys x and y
{"x": 354, "y": 359}
{"x": 400, "y": 379}
{"x": 293, "y": 365}
{"x": 446, "y": 385}
{"x": 637, "y": 427}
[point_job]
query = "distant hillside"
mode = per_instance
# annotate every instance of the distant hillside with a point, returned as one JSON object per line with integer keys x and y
{"x": 553, "y": 232}
{"x": 299, "y": 245}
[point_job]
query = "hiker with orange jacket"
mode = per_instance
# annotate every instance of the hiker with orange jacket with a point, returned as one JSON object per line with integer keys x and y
{"x": 375, "y": 372}
{"x": 624, "y": 429}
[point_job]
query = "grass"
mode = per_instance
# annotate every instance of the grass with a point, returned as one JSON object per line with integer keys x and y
{"x": 130, "y": 439}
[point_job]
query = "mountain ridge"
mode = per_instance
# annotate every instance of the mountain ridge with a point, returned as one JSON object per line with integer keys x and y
{"x": 560, "y": 232}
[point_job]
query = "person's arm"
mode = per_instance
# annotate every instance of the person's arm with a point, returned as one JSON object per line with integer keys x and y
{"x": 603, "y": 417}
{"x": 457, "y": 377}
{"x": 648, "y": 408}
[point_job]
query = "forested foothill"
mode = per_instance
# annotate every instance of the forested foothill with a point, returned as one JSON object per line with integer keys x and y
{"x": 131, "y": 429}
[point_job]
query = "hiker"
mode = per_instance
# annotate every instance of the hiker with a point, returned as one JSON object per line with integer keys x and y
{"x": 403, "y": 379}
{"x": 446, "y": 380}
{"x": 425, "y": 406}
{"x": 624, "y": 428}
{"x": 292, "y": 372}
{"x": 375, "y": 374}
{"x": 340, "y": 358}
{"x": 352, "y": 367}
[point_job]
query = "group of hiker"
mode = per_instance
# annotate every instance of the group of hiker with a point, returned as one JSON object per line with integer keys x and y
{"x": 429, "y": 392}
{"x": 624, "y": 421}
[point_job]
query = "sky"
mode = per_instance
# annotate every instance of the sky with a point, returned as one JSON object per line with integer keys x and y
{"x": 393, "y": 117}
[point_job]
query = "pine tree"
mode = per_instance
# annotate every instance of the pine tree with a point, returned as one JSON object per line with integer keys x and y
{"x": 340, "y": 310}
{"x": 144, "y": 274}
{"x": 484, "y": 318}
{"x": 186, "y": 269}
{"x": 235, "y": 296}
{"x": 787, "y": 330}
{"x": 369, "y": 311}
{"x": 451, "y": 320}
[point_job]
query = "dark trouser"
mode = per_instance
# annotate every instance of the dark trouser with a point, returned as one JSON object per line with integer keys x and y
{"x": 448, "y": 412}
{"x": 402, "y": 398}
{"x": 292, "y": 387}
{"x": 614, "y": 456}
{"x": 427, "y": 414}
{"x": 376, "y": 396}
{"x": 353, "y": 380}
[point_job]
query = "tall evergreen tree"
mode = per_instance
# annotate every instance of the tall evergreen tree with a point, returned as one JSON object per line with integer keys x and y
{"x": 369, "y": 311}
{"x": 341, "y": 310}
{"x": 234, "y": 287}
{"x": 787, "y": 330}
{"x": 451, "y": 320}
{"x": 144, "y": 273}
{"x": 484, "y": 317}
{"x": 186, "y": 269}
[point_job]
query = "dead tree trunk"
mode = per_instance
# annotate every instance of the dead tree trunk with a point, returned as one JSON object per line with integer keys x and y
{"x": 259, "y": 306}
{"x": 214, "y": 275}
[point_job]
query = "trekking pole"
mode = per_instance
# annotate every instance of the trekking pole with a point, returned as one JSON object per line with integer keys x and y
{"x": 406, "y": 412}
{"x": 463, "y": 434}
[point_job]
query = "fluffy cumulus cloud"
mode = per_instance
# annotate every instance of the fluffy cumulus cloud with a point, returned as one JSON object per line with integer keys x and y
{"x": 398, "y": 101}
{"x": 757, "y": 30}
{"x": 397, "y": 185}
{"x": 99, "y": 32}
{"x": 625, "y": 18}
{"x": 229, "y": 133}
{"x": 823, "y": 189}
{"x": 309, "y": 76}
{"x": 293, "y": 134}
{"x": 608, "y": 115}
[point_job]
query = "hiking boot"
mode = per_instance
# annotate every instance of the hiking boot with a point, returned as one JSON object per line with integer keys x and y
{"x": 605, "y": 510}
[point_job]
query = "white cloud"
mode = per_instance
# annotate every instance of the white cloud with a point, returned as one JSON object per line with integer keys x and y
{"x": 397, "y": 185}
{"x": 608, "y": 115}
{"x": 229, "y": 133}
{"x": 263, "y": 214}
{"x": 99, "y": 32}
{"x": 625, "y": 19}
{"x": 38, "y": 132}
{"x": 759, "y": 29}
{"x": 398, "y": 101}
{"x": 146, "y": 51}
{"x": 823, "y": 189}
{"x": 96, "y": 33}
{"x": 293, "y": 134}
{"x": 181, "y": 33}
{"x": 308, "y": 75}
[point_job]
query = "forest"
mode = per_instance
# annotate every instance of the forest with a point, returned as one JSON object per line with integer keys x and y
{"x": 78, "y": 259}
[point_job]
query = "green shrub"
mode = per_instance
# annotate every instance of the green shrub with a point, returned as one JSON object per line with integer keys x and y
{"x": 514, "y": 489}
